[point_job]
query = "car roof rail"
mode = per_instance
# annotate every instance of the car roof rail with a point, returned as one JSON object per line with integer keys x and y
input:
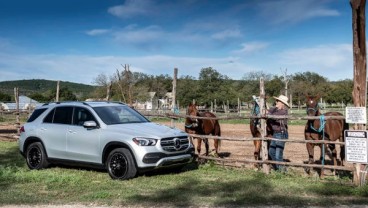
{"x": 60, "y": 102}
{"x": 85, "y": 102}
{"x": 104, "y": 101}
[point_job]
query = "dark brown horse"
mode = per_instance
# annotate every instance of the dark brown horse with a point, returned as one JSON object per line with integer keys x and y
{"x": 255, "y": 125}
{"x": 321, "y": 129}
{"x": 203, "y": 127}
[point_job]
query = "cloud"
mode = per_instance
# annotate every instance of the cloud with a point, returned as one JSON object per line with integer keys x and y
{"x": 251, "y": 47}
{"x": 331, "y": 61}
{"x": 147, "y": 38}
{"x": 132, "y": 8}
{"x": 291, "y": 12}
{"x": 84, "y": 69}
{"x": 323, "y": 55}
{"x": 96, "y": 32}
{"x": 225, "y": 34}
{"x": 155, "y": 37}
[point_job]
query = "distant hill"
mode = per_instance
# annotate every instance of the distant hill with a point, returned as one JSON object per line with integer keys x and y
{"x": 31, "y": 86}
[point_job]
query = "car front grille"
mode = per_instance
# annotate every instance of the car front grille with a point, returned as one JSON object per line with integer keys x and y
{"x": 175, "y": 144}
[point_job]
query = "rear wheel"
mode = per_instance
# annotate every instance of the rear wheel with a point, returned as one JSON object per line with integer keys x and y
{"x": 120, "y": 164}
{"x": 36, "y": 156}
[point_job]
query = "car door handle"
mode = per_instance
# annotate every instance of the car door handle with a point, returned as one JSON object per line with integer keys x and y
{"x": 43, "y": 129}
{"x": 72, "y": 132}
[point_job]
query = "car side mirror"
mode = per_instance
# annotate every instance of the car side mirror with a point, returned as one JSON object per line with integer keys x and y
{"x": 90, "y": 124}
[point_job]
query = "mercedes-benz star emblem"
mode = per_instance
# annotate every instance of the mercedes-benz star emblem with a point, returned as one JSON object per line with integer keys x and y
{"x": 177, "y": 143}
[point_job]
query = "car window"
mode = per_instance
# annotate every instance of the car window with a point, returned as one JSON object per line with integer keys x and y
{"x": 36, "y": 113}
{"x": 119, "y": 115}
{"x": 81, "y": 115}
{"x": 63, "y": 115}
{"x": 49, "y": 117}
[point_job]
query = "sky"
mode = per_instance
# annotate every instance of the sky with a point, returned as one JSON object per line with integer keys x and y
{"x": 78, "y": 40}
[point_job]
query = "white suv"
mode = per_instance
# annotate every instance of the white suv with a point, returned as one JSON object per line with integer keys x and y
{"x": 108, "y": 135}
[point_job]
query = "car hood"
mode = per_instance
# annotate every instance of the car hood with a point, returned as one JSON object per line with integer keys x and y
{"x": 148, "y": 129}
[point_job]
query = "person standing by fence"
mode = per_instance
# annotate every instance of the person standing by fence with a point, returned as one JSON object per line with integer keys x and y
{"x": 280, "y": 130}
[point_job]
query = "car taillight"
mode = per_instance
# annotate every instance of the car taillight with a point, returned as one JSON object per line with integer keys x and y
{"x": 22, "y": 129}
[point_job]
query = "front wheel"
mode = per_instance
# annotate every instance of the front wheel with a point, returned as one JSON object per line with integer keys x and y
{"x": 120, "y": 164}
{"x": 36, "y": 156}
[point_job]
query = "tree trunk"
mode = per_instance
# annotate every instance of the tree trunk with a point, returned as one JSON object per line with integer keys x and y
{"x": 360, "y": 66}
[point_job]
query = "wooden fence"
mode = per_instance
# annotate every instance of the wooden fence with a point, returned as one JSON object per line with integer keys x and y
{"x": 228, "y": 161}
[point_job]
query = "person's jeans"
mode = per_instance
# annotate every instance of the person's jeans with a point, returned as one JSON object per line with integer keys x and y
{"x": 276, "y": 150}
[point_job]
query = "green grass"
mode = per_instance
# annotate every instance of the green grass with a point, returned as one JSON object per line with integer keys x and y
{"x": 195, "y": 186}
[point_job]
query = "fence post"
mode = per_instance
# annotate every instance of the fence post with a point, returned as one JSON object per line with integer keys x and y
{"x": 57, "y": 91}
{"x": 173, "y": 103}
{"x": 265, "y": 167}
{"x": 16, "y": 98}
{"x": 238, "y": 106}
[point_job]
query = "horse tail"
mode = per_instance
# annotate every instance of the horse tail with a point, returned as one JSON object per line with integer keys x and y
{"x": 218, "y": 132}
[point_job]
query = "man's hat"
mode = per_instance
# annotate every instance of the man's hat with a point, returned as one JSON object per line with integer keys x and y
{"x": 283, "y": 99}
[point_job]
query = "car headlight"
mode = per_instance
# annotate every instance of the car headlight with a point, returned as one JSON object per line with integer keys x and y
{"x": 145, "y": 141}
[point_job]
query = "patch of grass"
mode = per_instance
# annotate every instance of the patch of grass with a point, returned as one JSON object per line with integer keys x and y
{"x": 206, "y": 185}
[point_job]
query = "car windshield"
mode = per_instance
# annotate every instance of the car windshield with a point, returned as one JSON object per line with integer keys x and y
{"x": 119, "y": 115}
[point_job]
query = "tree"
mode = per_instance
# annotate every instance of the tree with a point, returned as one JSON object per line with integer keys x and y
{"x": 209, "y": 86}
{"x": 274, "y": 87}
{"x": 40, "y": 98}
{"x": 308, "y": 83}
{"x": 340, "y": 92}
{"x": 105, "y": 89}
{"x": 187, "y": 90}
{"x": 64, "y": 95}
{"x": 5, "y": 97}
{"x": 249, "y": 85}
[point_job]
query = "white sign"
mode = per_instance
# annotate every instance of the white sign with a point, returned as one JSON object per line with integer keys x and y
{"x": 356, "y": 146}
{"x": 356, "y": 115}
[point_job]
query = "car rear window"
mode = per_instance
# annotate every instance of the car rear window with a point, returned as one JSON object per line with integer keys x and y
{"x": 36, "y": 114}
{"x": 63, "y": 115}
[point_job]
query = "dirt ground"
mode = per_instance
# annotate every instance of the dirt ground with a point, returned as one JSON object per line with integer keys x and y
{"x": 294, "y": 152}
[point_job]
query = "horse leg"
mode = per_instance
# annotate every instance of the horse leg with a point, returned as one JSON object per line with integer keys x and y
{"x": 191, "y": 141}
{"x": 206, "y": 145}
{"x": 332, "y": 148}
{"x": 216, "y": 144}
{"x": 257, "y": 150}
{"x": 323, "y": 149}
{"x": 199, "y": 144}
{"x": 342, "y": 154}
{"x": 310, "y": 149}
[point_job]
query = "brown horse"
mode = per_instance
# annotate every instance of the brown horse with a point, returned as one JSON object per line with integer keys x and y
{"x": 321, "y": 129}
{"x": 255, "y": 124}
{"x": 203, "y": 127}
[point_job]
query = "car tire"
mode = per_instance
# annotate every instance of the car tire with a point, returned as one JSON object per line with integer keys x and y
{"x": 36, "y": 156}
{"x": 120, "y": 164}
